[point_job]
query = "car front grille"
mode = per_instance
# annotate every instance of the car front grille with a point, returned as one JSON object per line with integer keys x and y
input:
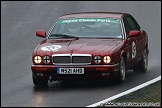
{"x": 71, "y": 59}
{"x": 61, "y": 59}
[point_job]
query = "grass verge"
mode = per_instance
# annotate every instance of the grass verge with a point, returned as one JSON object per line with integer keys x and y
{"x": 149, "y": 96}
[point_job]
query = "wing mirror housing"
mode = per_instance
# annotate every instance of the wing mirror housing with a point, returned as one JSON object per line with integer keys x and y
{"x": 41, "y": 33}
{"x": 134, "y": 33}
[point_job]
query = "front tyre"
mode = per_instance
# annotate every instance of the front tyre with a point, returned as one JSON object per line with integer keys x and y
{"x": 39, "y": 82}
{"x": 121, "y": 74}
{"x": 142, "y": 66}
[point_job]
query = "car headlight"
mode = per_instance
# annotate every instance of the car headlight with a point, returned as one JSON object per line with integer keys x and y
{"x": 97, "y": 59}
{"x": 37, "y": 59}
{"x": 107, "y": 59}
{"x": 46, "y": 59}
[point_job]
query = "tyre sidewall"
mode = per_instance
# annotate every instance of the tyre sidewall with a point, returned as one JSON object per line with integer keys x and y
{"x": 121, "y": 73}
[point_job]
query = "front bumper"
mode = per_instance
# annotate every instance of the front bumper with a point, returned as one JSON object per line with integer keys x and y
{"x": 90, "y": 72}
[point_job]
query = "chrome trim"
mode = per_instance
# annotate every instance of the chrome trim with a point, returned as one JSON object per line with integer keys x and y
{"x": 81, "y": 65}
{"x": 69, "y": 64}
{"x": 82, "y": 55}
{"x": 61, "y": 55}
{"x": 72, "y": 55}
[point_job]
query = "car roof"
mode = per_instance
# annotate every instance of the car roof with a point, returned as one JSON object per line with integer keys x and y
{"x": 117, "y": 15}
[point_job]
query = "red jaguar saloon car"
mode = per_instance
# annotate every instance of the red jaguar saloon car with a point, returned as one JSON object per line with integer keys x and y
{"x": 90, "y": 45}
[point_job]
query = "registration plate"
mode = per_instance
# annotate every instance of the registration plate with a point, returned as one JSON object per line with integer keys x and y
{"x": 70, "y": 70}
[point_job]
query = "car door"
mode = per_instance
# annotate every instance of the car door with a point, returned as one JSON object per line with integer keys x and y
{"x": 138, "y": 40}
{"x": 133, "y": 43}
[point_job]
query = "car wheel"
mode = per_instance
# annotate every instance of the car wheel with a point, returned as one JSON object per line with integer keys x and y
{"x": 142, "y": 66}
{"x": 39, "y": 82}
{"x": 121, "y": 74}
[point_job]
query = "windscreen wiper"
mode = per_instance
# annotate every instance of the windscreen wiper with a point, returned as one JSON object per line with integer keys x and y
{"x": 63, "y": 35}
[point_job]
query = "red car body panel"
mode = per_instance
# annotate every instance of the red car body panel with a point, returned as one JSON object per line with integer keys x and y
{"x": 97, "y": 46}
{"x": 115, "y": 48}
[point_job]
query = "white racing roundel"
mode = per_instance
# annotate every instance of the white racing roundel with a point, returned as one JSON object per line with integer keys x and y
{"x": 133, "y": 50}
{"x": 53, "y": 48}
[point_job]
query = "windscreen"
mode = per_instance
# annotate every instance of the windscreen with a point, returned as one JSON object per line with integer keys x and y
{"x": 88, "y": 28}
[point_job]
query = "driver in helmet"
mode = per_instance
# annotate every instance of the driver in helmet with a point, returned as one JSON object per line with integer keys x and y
{"x": 74, "y": 27}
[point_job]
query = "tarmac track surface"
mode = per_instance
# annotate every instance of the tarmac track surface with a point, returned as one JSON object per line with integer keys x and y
{"x": 20, "y": 20}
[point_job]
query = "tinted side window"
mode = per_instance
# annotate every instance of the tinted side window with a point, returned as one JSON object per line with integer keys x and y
{"x": 130, "y": 24}
{"x": 126, "y": 25}
{"x": 133, "y": 24}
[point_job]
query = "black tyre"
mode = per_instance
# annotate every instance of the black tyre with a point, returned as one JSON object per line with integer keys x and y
{"x": 142, "y": 66}
{"x": 121, "y": 74}
{"x": 39, "y": 82}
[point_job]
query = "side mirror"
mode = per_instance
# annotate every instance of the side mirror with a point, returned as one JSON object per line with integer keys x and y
{"x": 41, "y": 33}
{"x": 134, "y": 33}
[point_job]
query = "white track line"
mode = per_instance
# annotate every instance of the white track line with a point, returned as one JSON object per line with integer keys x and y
{"x": 126, "y": 92}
